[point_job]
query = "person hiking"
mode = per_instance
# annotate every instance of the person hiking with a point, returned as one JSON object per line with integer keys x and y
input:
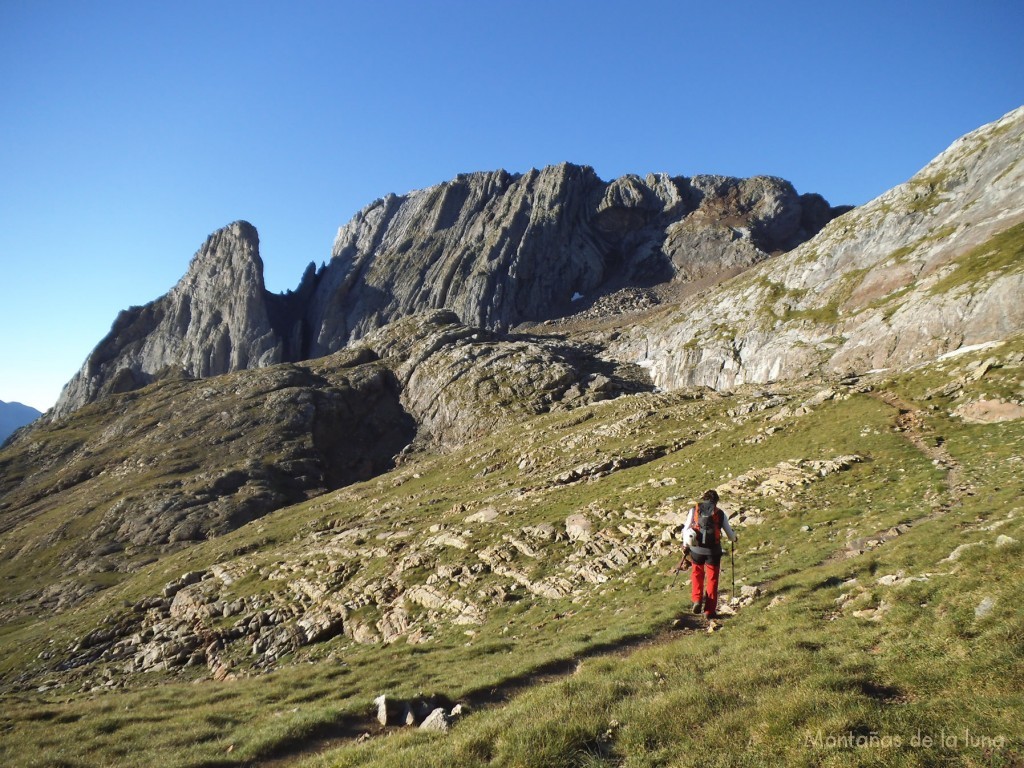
{"x": 702, "y": 552}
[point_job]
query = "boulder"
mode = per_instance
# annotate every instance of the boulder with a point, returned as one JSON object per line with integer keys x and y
{"x": 989, "y": 411}
{"x": 578, "y": 527}
{"x": 486, "y": 515}
{"x": 437, "y": 721}
{"x": 388, "y": 711}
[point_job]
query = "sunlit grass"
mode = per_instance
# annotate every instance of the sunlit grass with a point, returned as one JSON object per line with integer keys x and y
{"x": 779, "y": 685}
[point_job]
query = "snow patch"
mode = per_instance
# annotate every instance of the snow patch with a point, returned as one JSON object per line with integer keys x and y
{"x": 971, "y": 348}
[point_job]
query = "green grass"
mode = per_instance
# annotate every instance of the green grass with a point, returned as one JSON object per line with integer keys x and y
{"x": 797, "y": 683}
{"x": 1003, "y": 253}
{"x": 929, "y": 191}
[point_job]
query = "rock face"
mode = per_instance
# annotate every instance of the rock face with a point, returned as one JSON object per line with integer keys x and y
{"x": 217, "y": 319}
{"x": 930, "y": 266}
{"x": 460, "y": 382}
{"x": 498, "y": 248}
{"x": 495, "y": 248}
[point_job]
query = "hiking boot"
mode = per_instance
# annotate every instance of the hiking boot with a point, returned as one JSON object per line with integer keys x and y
{"x": 697, "y": 607}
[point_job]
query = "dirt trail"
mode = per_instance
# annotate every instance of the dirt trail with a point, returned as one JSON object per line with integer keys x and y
{"x": 910, "y": 422}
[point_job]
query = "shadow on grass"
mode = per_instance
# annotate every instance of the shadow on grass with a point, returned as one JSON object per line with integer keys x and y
{"x": 557, "y": 668}
{"x": 337, "y": 733}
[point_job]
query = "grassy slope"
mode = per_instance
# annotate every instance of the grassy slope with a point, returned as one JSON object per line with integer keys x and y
{"x": 778, "y": 685}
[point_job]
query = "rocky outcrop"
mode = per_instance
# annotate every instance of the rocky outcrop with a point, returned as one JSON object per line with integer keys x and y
{"x": 499, "y": 249}
{"x": 382, "y": 584}
{"x": 183, "y": 461}
{"x": 495, "y": 248}
{"x": 930, "y": 266}
{"x": 460, "y": 382}
{"x": 219, "y": 318}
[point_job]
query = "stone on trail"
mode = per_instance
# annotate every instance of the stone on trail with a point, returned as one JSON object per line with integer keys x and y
{"x": 436, "y": 721}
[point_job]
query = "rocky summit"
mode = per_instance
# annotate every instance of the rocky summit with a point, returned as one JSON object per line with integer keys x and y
{"x": 497, "y": 249}
{"x": 426, "y": 509}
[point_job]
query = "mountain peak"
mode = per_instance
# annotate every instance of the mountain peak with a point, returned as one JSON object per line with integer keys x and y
{"x": 496, "y": 248}
{"x": 215, "y": 320}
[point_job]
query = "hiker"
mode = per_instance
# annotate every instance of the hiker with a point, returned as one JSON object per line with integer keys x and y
{"x": 702, "y": 552}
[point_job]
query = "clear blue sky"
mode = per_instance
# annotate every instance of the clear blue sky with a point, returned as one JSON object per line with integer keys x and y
{"x": 131, "y": 130}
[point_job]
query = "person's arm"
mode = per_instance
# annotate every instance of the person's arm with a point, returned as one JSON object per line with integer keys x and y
{"x": 728, "y": 528}
{"x": 688, "y": 533}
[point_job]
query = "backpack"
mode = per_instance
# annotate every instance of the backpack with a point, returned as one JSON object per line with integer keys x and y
{"x": 708, "y": 525}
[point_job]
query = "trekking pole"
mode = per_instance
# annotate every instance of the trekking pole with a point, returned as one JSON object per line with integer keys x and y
{"x": 732, "y": 556}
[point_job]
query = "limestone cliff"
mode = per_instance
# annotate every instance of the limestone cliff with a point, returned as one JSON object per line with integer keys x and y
{"x": 498, "y": 249}
{"x": 215, "y": 320}
{"x": 932, "y": 265}
{"x": 495, "y": 248}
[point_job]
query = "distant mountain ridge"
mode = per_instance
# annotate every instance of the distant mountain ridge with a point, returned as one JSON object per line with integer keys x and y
{"x": 496, "y": 248}
{"x": 13, "y": 416}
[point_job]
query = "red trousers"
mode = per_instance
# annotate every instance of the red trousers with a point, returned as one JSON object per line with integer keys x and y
{"x": 704, "y": 583}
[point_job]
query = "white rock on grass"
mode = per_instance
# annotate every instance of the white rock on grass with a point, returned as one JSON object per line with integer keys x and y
{"x": 984, "y": 608}
{"x": 436, "y": 721}
{"x": 874, "y": 614}
{"x": 955, "y": 554}
{"x": 1004, "y": 541}
{"x": 382, "y": 709}
{"x": 892, "y": 578}
{"x": 578, "y": 527}
{"x": 485, "y": 515}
